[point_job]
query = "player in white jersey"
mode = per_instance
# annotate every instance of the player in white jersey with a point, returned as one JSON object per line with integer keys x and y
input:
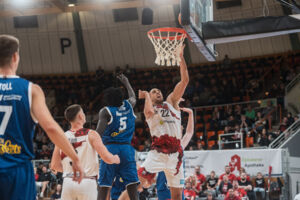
{"x": 164, "y": 120}
{"x": 87, "y": 143}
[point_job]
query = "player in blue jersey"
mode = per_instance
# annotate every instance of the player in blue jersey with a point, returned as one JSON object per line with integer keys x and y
{"x": 116, "y": 126}
{"x": 22, "y": 105}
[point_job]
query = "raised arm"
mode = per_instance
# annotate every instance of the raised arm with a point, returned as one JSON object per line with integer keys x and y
{"x": 131, "y": 94}
{"x": 148, "y": 108}
{"x": 98, "y": 145}
{"x": 40, "y": 112}
{"x": 179, "y": 89}
{"x": 104, "y": 118}
{"x": 189, "y": 129}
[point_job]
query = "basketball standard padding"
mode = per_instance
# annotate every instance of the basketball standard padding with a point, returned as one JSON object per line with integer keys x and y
{"x": 147, "y": 16}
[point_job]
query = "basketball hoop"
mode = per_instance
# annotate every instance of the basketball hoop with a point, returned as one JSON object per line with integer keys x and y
{"x": 167, "y": 42}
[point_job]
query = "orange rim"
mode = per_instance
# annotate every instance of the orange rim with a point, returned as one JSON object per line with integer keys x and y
{"x": 168, "y": 29}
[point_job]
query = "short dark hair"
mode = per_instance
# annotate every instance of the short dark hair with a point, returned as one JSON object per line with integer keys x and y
{"x": 8, "y": 46}
{"x": 71, "y": 112}
{"x": 113, "y": 97}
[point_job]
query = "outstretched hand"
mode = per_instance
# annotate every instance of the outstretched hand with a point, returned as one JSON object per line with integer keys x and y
{"x": 188, "y": 110}
{"x": 142, "y": 94}
{"x": 122, "y": 78}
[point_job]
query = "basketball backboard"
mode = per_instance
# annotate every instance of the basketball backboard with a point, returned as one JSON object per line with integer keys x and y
{"x": 193, "y": 14}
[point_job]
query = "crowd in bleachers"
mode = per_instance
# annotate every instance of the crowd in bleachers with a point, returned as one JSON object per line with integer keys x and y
{"x": 48, "y": 183}
{"x": 228, "y": 186}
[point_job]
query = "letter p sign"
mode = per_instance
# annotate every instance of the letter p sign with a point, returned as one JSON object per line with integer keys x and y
{"x": 65, "y": 43}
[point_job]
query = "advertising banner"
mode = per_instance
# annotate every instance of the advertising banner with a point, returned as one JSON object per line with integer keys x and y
{"x": 256, "y": 160}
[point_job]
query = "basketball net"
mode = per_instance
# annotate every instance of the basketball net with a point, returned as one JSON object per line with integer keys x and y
{"x": 167, "y": 43}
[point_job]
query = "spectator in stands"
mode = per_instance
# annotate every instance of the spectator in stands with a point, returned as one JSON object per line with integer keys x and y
{"x": 242, "y": 170}
{"x": 228, "y": 174}
{"x": 264, "y": 138}
{"x": 247, "y": 186}
{"x": 239, "y": 192}
{"x": 244, "y": 124}
{"x": 259, "y": 185}
{"x": 231, "y": 195}
{"x": 260, "y": 123}
{"x": 36, "y": 175}
{"x": 40, "y": 168}
{"x": 43, "y": 180}
{"x": 250, "y": 113}
{"x": 200, "y": 180}
{"x": 210, "y": 196}
{"x": 224, "y": 186}
{"x": 231, "y": 122}
{"x": 57, "y": 194}
{"x": 237, "y": 135}
{"x": 199, "y": 146}
{"x": 189, "y": 193}
{"x": 211, "y": 183}
{"x": 226, "y": 61}
{"x": 290, "y": 119}
{"x": 284, "y": 125}
{"x": 45, "y": 153}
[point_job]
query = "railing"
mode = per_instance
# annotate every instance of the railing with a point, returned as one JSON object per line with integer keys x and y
{"x": 292, "y": 83}
{"x": 36, "y": 162}
{"x": 285, "y": 135}
{"x": 239, "y": 141}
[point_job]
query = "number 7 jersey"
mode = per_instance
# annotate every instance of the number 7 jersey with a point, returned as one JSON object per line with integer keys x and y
{"x": 16, "y": 124}
{"x": 121, "y": 126}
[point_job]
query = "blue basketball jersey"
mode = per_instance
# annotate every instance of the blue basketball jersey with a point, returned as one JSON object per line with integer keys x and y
{"x": 16, "y": 125}
{"x": 121, "y": 126}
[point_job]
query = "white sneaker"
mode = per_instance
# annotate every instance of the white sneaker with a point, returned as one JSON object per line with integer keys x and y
{"x": 42, "y": 194}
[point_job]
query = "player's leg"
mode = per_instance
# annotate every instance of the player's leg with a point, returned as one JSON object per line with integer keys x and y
{"x": 117, "y": 188}
{"x": 132, "y": 190}
{"x": 88, "y": 189}
{"x": 103, "y": 192}
{"x": 176, "y": 183}
{"x": 68, "y": 190}
{"x": 18, "y": 182}
{"x": 163, "y": 191}
{"x": 128, "y": 171}
{"x": 176, "y": 193}
{"x": 107, "y": 174}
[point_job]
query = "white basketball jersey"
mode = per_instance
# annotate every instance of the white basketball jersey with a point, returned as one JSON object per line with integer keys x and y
{"x": 166, "y": 120}
{"x": 87, "y": 155}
